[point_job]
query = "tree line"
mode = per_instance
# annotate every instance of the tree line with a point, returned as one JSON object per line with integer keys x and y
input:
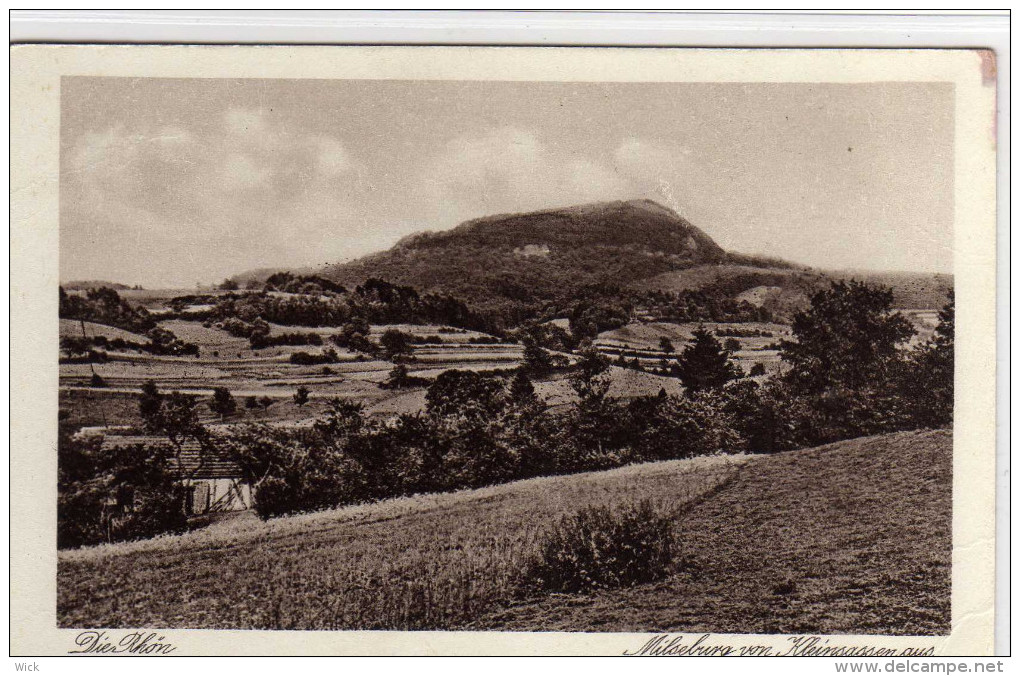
{"x": 850, "y": 373}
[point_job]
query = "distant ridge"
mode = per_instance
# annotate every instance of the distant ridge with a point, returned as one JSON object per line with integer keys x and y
{"x": 514, "y": 265}
{"x": 93, "y": 284}
{"x": 540, "y": 256}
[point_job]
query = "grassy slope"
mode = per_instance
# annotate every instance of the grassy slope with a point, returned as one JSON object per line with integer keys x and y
{"x": 72, "y": 328}
{"x": 423, "y": 562}
{"x": 854, "y": 537}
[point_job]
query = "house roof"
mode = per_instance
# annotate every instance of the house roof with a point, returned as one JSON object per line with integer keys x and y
{"x": 196, "y": 463}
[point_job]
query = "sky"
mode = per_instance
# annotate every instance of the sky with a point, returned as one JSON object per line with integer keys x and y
{"x": 173, "y": 182}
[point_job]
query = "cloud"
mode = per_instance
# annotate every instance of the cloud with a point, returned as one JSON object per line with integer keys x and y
{"x": 259, "y": 192}
{"x": 243, "y": 172}
{"x": 253, "y": 191}
{"x": 510, "y": 169}
{"x": 666, "y": 170}
{"x": 331, "y": 158}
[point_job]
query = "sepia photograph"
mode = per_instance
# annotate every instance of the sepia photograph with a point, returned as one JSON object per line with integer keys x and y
{"x": 665, "y": 357}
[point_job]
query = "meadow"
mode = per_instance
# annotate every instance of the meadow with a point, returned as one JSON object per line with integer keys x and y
{"x": 850, "y": 538}
{"x": 424, "y": 562}
{"x": 853, "y": 537}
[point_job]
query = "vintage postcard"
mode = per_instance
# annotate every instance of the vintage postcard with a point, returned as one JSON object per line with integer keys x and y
{"x": 500, "y": 351}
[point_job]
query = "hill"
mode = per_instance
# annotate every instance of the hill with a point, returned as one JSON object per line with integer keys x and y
{"x": 533, "y": 258}
{"x": 94, "y": 284}
{"x": 770, "y": 544}
{"x": 514, "y": 267}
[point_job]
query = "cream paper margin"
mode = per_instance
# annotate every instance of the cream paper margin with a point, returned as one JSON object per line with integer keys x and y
{"x": 35, "y": 125}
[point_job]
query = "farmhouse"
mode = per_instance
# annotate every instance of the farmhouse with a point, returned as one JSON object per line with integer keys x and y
{"x": 213, "y": 483}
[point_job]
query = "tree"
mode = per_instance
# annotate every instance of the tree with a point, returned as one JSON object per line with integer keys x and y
{"x": 731, "y": 345}
{"x": 150, "y": 403}
{"x": 395, "y": 343}
{"x": 705, "y": 364}
{"x": 251, "y": 402}
{"x": 173, "y": 415}
{"x": 846, "y": 362}
{"x": 594, "y": 430}
{"x": 537, "y": 361}
{"x": 757, "y": 370}
{"x": 265, "y": 402}
{"x": 178, "y": 418}
{"x": 222, "y": 403}
{"x": 666, "y": 345}
{"x": 114, "y": 493}
{"x": 229, "y": 285}
{"x": 521, "y": 387}
{"x": 848, "y": 338}
{"x": 927, "y": 380}
{"x": 397, "y": 377}
{"x": 301, "y": 395}
{"x": 465, "y": 410}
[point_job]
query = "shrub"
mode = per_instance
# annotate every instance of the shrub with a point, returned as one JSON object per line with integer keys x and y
{"x": 274, "y": 497}
{"x": 113, "y": 494}
{"x": 396, "y": 343}
{"x": 328, "y": 356}
{"x": 599, "y": 548}
{"x": 400, "y": 378}
{"x": 222, "y": 403}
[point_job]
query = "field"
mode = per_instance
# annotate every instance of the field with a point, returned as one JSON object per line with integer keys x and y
{"x": 228, "y": 361}
{"x": 642, "y": 340}
{"x": 853, "y": 537}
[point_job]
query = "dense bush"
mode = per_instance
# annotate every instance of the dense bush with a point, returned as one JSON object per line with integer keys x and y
{"x": 742, "y": 333}
{"x": 105, "y": 306}
{"x": 925, "y": 383}
{"x": 375, "y": 301}
{"x": 599, "y": 548}
{"x": 484, "y": 340}
{"x": 327, "y": 356}
{"x": 399, "y": 378}
{"x": 259, "y": 342}
{"x": 108, "y": 495}
{"x": 161, "y": 342}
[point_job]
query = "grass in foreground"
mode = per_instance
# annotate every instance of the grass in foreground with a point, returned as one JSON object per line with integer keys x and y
{"x": 850, "y": 538}
{"x": 854, "y": 537}
{"x": 430, "y": 562}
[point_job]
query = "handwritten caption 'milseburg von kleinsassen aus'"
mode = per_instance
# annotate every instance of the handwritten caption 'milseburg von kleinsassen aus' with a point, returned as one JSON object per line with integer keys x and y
{"x": 664, "y": 645}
